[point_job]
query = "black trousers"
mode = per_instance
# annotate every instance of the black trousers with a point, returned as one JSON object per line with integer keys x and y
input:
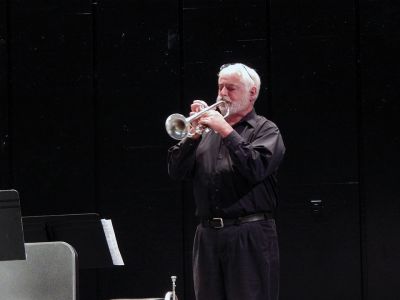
{"x": 238, "y": 262}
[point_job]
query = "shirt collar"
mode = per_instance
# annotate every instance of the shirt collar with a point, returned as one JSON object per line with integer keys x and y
{"x": 250, "y": 118}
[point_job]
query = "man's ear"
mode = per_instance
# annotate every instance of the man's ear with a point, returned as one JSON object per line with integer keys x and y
{"x": 253, "y": 93}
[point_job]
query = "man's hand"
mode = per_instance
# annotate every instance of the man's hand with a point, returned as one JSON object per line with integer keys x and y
{"x": 195, "y": 107}
{"x": 214, "y": 120}
{"x": 198, "y": 105}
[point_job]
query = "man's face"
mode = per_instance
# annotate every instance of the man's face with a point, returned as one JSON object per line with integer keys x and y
{"x": 232, "y": 89}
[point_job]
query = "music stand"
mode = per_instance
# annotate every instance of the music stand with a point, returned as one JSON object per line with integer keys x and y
{"x": 11, "y": 234}
{"x": 82, "y": 231}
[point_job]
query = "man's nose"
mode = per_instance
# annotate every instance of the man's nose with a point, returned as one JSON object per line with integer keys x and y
{"x": 223, "y": 91}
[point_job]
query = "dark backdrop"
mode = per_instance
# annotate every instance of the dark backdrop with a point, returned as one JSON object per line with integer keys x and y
{"x": 86, "y": 86}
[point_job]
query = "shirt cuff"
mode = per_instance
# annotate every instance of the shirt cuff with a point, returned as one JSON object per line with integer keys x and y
{"x": 233, "y": 139}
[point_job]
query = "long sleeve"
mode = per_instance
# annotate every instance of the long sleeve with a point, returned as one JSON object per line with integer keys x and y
{"x": 182, "y": 159}
{"x": 259, "y": 158}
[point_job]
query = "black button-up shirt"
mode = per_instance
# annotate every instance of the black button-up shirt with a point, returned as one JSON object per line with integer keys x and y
{"x": 232, "y": 176}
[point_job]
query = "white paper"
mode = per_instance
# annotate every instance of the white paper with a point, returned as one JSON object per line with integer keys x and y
{"x": 112, "y": 242}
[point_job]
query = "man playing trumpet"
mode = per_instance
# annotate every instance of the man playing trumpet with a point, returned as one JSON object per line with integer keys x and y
{"x": 233, "y": 168}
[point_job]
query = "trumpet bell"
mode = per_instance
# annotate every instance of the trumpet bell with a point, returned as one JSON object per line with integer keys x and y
{"x": 177, "y": 126}
{"x": 170, "y": 296}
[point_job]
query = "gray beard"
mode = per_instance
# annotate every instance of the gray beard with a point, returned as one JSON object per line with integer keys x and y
{"x": 234, "y": 107}
{"x": 237, "y": 107}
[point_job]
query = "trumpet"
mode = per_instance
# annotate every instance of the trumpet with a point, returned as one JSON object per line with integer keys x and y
{"x": 178, "y": 126}
{"x": 172, "y": 295}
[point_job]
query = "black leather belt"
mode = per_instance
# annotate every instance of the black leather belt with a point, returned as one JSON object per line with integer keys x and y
{"x": 222, "y": 222}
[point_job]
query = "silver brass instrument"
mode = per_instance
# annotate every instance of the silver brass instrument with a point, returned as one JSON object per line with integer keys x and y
{"x": 172, "y": 295}
{"x": 178, "y": 126}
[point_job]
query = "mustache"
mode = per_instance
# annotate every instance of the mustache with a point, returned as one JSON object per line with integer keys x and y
{"x": 226, "y": 99}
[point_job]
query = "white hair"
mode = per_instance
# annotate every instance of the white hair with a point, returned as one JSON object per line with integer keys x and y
{"x": 247, "y": 74}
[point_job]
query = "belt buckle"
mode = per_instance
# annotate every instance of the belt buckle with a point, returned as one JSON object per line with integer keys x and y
{"x": 221, "y": 223}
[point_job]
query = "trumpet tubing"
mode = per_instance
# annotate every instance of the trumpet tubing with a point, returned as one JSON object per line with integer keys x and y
{"x": 178, "y": 126}
{"x": 172, "y": 295}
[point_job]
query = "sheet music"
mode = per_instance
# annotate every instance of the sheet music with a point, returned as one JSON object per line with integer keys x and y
{"x": 112, "y": 242}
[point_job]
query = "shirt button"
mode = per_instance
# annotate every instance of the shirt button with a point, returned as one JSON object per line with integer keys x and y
{"x": 216, "y": 190}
